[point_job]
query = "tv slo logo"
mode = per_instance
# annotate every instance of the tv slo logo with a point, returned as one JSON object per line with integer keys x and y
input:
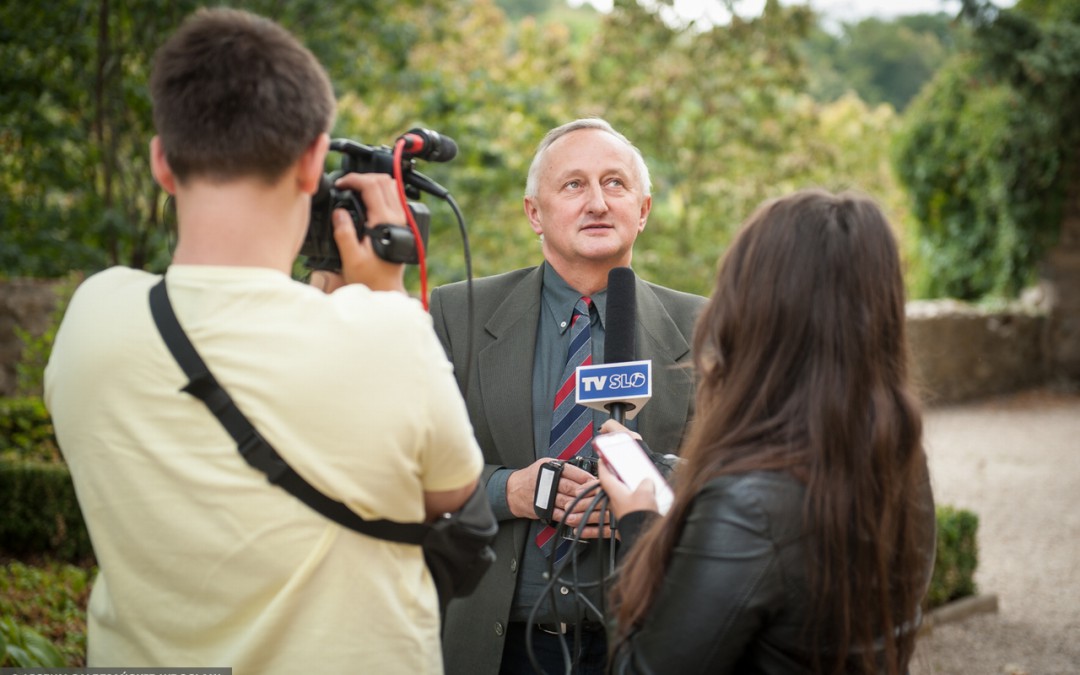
{"x": 599, "y": 386}
{"x": 617, "y": 381}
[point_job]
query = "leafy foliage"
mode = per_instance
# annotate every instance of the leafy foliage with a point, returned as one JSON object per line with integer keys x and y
{"x": 26, "y": 430}
{"x": 75, "y": 185}
{"x": 720, "y": 112}
{"x": 497, "y": 91}
{"x": 986, "y": 152}
{"x": 26, "y": 648}
{"x": 956, "y": 558}
{"x": 75, "y": 179}
{"x": 882, "y": 61}
{"x": 43, "y": 610}
{"x": 723, "y": 121}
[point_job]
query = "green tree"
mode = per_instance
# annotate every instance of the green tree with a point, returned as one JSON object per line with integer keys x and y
{"x": 711, "y": 109}
{"x": 722, "y": 118}
{"x": 883, "y": 61}
{"x": 720, "y": 113}
{"x": 496, "y": 87}
{"x": 988, "y": 149}
{"x": 75, "y": 187}
{"x": 518, "y": 9}
{"x": 889, "y": 62}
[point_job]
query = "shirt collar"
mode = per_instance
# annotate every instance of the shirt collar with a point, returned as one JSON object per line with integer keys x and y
{"x": 560, "y": 298}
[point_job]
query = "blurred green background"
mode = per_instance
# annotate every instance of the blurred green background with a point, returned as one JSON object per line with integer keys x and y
{"x": 963, "y": 126}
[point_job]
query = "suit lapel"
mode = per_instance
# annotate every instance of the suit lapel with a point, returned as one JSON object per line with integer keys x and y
{"x": 506, "y": 367}
{"x": 660, "y": 340}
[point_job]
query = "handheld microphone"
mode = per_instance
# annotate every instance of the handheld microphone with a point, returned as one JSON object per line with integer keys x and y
{"x": 429, "y": 145}
{"x": 620, "y": 321}
{"x": 622, "y": 385}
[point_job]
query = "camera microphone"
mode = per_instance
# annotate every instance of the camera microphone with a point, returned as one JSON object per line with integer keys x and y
{"x": 429, "y": 145}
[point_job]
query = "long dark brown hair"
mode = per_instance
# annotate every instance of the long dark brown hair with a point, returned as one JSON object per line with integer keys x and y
{"x": 802, "y": 367}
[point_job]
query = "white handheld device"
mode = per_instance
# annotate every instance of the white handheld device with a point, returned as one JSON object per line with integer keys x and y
{"x": 630, "y": 463}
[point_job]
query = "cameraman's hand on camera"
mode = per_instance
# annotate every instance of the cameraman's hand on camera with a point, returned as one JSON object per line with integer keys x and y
{"x": 521, "y": 489}
{"x": 359, "y": 264}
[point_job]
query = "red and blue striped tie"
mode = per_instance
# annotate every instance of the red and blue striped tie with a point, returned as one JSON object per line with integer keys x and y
{"x": 571, "y": 424}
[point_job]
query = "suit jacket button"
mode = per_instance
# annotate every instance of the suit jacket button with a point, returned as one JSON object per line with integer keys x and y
{"x": 498, "y": 628}
{"x": 513, "y": 565}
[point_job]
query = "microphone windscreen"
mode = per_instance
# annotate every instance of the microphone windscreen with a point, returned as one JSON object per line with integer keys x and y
{"x": 430, "y": 145}
{"x": 447, "y": 150}
{"x": 620, "y": 324}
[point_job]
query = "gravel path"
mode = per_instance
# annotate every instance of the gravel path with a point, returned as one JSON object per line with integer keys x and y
{"x": 1014, "y": 461}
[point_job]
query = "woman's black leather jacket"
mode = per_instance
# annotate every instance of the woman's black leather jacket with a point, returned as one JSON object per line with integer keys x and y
{"x": 734, "y": 596}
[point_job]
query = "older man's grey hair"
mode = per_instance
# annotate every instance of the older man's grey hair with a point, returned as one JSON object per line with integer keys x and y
{"x": 531, "y": 182}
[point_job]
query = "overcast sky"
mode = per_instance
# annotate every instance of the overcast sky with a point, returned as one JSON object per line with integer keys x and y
{"x": 833, "y": 10}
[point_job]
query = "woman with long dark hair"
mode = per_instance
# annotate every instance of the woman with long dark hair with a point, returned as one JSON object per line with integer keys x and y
{"x": 801, "y": 538}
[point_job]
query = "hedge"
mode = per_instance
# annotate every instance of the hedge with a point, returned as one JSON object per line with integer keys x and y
{"x": 39, "y": 514}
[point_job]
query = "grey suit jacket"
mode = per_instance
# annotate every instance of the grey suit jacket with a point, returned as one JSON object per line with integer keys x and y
{"x": 499, "y": 400}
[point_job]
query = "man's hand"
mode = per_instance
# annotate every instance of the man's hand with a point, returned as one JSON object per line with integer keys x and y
{"x": 521, "y": 490}
{"x": 359, "y": 264}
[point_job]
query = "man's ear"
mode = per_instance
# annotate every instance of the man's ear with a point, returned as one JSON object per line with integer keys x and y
{"x": 159, "y": 167}
{"x": 646, "y": 206}
{"x": 532, "y": 212}
{"x": 311, "y": 164}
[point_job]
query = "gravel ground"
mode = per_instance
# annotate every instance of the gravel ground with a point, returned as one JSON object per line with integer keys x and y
{"x": 1014, "y": 461}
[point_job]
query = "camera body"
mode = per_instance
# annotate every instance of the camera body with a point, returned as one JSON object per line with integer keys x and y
{"x": 390, "y": 242}
{"x": 587, "y": 464}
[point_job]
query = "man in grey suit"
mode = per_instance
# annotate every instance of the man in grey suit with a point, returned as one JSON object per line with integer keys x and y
{"x": 587, "y": 196}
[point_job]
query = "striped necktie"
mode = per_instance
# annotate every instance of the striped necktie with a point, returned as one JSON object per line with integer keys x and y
{"x": 571, "y": 424}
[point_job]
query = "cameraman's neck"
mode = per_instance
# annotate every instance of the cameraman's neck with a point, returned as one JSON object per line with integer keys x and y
{"x": 241, "y": 223}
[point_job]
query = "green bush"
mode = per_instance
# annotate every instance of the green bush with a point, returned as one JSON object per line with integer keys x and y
{"x": 43, "y": 614}
{"x": 39, "y": 513}
{"x": 26, "y": 430}
{"x": 987, "y": 151}
{"x": 957, "y": 556}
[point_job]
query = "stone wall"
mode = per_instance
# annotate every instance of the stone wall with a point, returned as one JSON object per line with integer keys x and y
{"x": 959, "y": 352}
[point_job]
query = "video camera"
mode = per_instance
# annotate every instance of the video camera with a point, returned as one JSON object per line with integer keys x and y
{"x": 390, "y": 242}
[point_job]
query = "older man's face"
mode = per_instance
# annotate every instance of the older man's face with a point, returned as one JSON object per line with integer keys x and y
{"x": 590, "y": 204}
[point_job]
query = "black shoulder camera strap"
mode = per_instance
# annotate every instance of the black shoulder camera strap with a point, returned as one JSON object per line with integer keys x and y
{"x": 252, "y": 446}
